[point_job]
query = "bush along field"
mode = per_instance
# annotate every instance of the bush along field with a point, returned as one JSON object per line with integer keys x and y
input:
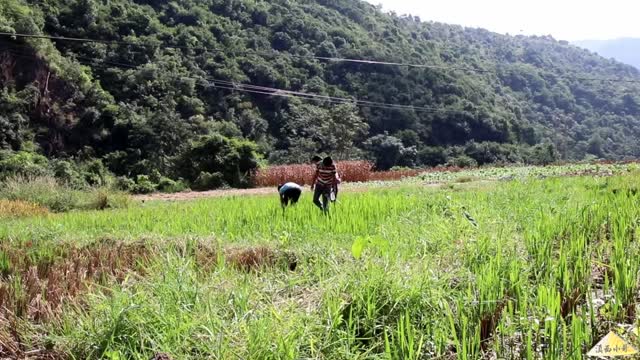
{"x": 533, "y": 268}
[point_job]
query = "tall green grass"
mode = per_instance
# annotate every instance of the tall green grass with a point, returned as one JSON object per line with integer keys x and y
{"x": 509, "y": 270}
{"x": 51, "y": 194}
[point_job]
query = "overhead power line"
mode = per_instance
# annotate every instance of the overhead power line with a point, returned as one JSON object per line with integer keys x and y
{"x": 256, "y": 52}
{"x": 255, "y": 89}
{"x": 270, "y": 91}
{"x": 275, "y": 53}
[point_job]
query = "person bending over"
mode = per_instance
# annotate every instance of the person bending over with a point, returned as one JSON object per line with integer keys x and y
{"x": 289, "y": 193}
{"x": 323, "y": 183}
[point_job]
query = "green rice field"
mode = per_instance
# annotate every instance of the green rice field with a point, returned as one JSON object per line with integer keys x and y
{"x": 525, "y": 267}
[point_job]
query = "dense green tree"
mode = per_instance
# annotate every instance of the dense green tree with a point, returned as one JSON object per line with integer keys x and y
{"x": 213, "y": 161}
{"x": 313, "y": 129}
{"x": 544, "y": 154}
{"x": 388, "y": 151}
{"x": 165, "y": 74}
{"x": 432, "y": 156}
{"x": 11, "y": 131}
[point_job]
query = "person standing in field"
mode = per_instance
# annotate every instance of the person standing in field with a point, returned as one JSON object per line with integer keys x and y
{"x": 289, "y": 192}
{"x": 317, "y": 161}
{"x": 324, "y": 181}
{"x": 334, "y": 190}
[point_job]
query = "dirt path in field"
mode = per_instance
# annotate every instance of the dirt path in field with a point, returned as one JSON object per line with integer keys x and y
{"x": 191, "y": 195}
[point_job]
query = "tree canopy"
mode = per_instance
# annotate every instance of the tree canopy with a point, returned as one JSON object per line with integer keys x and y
{"x": 159, "y": 79}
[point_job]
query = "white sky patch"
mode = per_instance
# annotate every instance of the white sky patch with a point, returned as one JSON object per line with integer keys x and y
{"x": 563, "y": 19}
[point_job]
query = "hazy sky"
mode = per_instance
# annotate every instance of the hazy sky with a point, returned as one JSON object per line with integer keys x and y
{"x": 564, "y": 19}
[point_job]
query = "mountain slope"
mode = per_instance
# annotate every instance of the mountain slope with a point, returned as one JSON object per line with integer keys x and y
{"x": 138, "y": 99}
{"x": 626, "y": 50}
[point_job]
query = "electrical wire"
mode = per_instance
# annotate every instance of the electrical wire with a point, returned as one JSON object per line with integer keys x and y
{"x": 270, "y": 91}
{"x": 262, "y": 53}
{"x": 271, "y": 54}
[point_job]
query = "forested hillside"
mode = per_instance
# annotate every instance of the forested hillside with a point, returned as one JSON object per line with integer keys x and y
{"x": 626, "y": 50}
{"x": 153, "y": 97}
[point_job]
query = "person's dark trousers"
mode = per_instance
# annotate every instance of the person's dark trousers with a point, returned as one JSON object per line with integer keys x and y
{"x": 322, "y": 191}
{"x": 292, "y": 195}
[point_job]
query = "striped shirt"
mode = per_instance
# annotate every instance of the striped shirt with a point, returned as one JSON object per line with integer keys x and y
{"x": 326, "y": 174}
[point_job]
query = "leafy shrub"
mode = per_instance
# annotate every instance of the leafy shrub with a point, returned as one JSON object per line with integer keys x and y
{"x": 67, "y": 173}
{"x": 155, "y": 176}
{"x": 102, "y": 199}
{"x": 208, "y": 181}
{"x": 95, "y": 173}
{"x": 144, "y": 185}
{"x": 167, "y": 185}
{"x": 543, "y": 154}
{"x": 463, "y": 161}
{"x": 126, "y": 184}
{"x": 385, "y": 149}
{"x": 465, "y": 179}
{"x": 24, "y": 164}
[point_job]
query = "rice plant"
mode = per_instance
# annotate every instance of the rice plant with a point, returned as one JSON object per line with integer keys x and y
{"x": 533, "y": 268}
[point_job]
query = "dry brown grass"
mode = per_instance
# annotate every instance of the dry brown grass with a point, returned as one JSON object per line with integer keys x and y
{"x": 37, "y": 289}
{"x": 18, "y": 208}
{"x": 355, "y": 171}
{"x": 275, "y": 175}
{"x": 36, "y": 285}
{"x": 34, "y": 289}
{"x": 350, "y": 171}
{"x": 254, "y": 259}
{"x": 250, "y": 259}
{"x": 12, "y": 346}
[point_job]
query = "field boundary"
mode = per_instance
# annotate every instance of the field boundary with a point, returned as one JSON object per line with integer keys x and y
{"x": 425, "y": 178}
